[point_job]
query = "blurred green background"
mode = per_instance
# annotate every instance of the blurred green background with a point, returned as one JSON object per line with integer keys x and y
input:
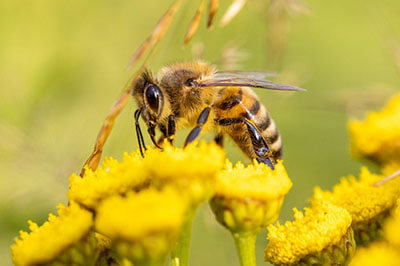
{"x": 62, "y": 64}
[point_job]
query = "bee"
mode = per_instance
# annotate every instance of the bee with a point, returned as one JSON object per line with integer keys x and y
{"x": 195, "y": 94}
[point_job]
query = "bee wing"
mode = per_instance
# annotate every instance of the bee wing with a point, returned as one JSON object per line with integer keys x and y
{"x": 239, "y": 81}
{"x": 245, "y": 74}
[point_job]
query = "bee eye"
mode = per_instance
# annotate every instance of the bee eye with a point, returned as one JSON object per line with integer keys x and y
{"x": 190, "y": 83}
{"x": 153, "y": 97}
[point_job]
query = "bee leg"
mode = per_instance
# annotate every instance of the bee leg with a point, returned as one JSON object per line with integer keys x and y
{"x": 171, "y": 129}
{"x": 200, "y": 122}
{"x": 259, "y": 144}
{"x": 152, "y": 133}
{"x": 163, "y": 130}
{"x": 139, "y": 132}
{"x": 219, "y": 139}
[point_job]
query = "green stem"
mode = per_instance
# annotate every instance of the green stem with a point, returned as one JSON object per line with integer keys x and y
{"x": 180, "y": 256}
{"x": 245, "y": 246}
{"x": 150, "y": 262}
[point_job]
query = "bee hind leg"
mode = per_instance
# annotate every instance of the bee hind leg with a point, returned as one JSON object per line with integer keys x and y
{"x": 260, "y": 146}
{"x": 196, "y": 130}
{"x": 219, "y": 139}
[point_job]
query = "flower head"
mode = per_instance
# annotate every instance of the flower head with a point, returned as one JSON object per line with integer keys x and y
{"x": 192, "y": 169}
{"x": 111, "y": 178}
{"x": 392, "y": 227}
{"x": 376, "y": 254}
{"x": 368, "y": 205}
{"x": 378, "y": 137}
{"x": 142, "y": 225}
{"x": 249, "y": 198}
{"x": 55, "y": 238}
{"x": 311, "y": 236}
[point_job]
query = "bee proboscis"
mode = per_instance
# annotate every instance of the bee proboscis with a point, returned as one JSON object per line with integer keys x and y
{"x": 195, "y": 94}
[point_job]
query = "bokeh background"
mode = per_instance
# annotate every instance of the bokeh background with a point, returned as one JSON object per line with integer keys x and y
{"x": 62, "y": 64}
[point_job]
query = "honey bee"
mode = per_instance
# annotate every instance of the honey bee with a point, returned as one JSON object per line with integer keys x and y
{"x": 195, "y": 94}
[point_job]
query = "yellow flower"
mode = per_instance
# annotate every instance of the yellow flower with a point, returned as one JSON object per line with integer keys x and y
{"x": 142, "y": 225}
{"x": 378, "y": 137}
{"x": 369, "y": 206}
{"x": 111, "y": 178}
{"x": 192, "y": 170}
{"x": 249, "y": 198}
{"x": 376, "y": 254}
{"x": 392, "y": 227}
{"x": 59, "y": 239}
{"x": 322, "y": 236}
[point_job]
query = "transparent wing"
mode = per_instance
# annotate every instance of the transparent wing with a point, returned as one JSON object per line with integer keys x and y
{"x": 245, "y": 79}
{"x": 245, "y": 74}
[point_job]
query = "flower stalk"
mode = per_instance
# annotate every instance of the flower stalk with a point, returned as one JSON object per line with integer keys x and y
{"x": 245, "y": 246}
{"x": 180, "y": 255}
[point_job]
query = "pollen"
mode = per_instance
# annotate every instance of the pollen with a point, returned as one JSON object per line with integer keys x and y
{"x": 378, "y": 137}
{"x": 309, "y": 234}
{"x": 111, "y": 178}
{"x": 46, "y": 243}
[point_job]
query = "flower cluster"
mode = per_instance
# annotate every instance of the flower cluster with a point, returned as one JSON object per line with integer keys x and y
{"x": 132, "y": 209}
{"x": 365, "y": 205}
{"x": 386, "y": 252}
{"x": 378, "y": 137}
{"x": 140, "y": 210}
{"x": 368, "y": 205}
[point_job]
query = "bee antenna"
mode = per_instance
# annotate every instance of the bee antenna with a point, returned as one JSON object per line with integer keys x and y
{"x": 139, "y": 134}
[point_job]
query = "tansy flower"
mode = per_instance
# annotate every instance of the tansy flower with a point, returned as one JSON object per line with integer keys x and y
{"x": 368, "y": 205}
{"x": 143, "y": 226}
{"x": 192, "y": 170}
{"x": 249, "y": 198}
{"x": 378, "y": 137}
{"x": 320, "y": 236}
{"x": 392, "y": 227}
{"x": 64, "y": 239}
{"x": 111, "y": 178}
{"x": 380, "y": 253}
{"x": 246, "y": 200}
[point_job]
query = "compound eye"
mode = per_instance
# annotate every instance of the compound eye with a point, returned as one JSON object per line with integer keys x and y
{"x": 153, "y": 97}
{"x": 191, "y": 83}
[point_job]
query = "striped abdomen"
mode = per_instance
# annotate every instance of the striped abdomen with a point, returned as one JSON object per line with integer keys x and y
{"x": 234, "y": 103}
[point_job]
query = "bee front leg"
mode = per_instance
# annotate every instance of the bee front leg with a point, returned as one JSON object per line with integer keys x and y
{"x": 168, "y": 131}
{"x": 200, "y": 122}
{"x": 171, "y": 129}
{"x": 259, "y": 144}
{"x": 163, "y": 130}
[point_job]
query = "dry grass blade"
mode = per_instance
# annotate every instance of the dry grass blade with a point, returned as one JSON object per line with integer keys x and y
{"x": 158, "y": 32}
{"x": 212, "y": 9}
{"x": 94, "y": 159}
{"x": 232, "y": 11}
{"x": 388, "y": 178}
{"x": 194, "y": 24}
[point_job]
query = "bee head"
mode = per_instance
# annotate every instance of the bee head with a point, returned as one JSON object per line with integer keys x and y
{"x": 184, "y": 75}
{"x": 150, "y": 98}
